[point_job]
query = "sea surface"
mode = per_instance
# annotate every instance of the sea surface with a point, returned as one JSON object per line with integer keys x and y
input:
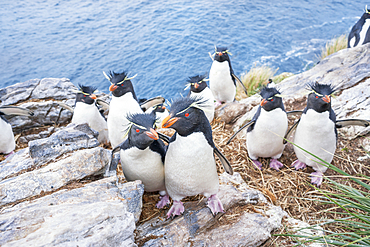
{"x": 163, "y": 42}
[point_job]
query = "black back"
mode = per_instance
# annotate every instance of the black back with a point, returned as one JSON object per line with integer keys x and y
{"x": 356, "y": 29}
{"x": 221, "y": 56}
{"x": 124, "y": 85}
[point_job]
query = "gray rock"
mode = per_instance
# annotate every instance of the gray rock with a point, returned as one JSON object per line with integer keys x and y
{"x": 20, "y": 161}
{"x": 71, "y": 138}
{"x": 197, "y": 226}
{"x": 132, "y": 192}
{"x": 93, "y": 215}
{"x": 80, "y": 164}
{"x": 19, "y": 92}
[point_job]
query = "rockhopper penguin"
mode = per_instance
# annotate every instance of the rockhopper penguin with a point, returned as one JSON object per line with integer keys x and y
{"x": 266, "y": 129}
{"x": 142, "y": 155}
{"x": 200, "y": 89}
{"x": 360, "y": 32}
{"x": 190, "y": 166}
{"x": 7, "y": 142}
{"x": 87, "y": 111}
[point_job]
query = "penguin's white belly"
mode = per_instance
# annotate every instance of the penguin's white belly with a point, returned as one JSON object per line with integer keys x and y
{"x": 117, "y": 121}
{"x": 266, "y": 139}
{"x": 209, "y": 108}
{"x": 144, "y": 165}
{"x": 190, "y": 167}
{"x": 221, "y": 83}
{"x": 84, "y": 113}
{"x": 315, "y": 133}
{"x": 364, "y": 30}
{"x": 7, "y": 143}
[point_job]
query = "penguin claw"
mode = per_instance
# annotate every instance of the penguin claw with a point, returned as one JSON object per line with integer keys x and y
{"x": 257, "y": 164}
{"x": 218, "y": 103}
{"x": 164, "y": 200}
{"x": 316, "y": 178}
{"x": 275, "y": 164}
{"x": 176, "y": 209}
{"x": 215, "y": 205}
{"x": 298, "y": 165}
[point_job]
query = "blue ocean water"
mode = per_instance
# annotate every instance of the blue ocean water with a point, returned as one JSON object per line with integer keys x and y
{"x": 163, "y": 42}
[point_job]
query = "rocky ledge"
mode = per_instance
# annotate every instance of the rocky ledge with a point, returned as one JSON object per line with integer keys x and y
{"x": 53, "y": 191}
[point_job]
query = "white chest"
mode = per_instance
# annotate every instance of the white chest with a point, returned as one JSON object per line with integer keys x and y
{"x": 266, "y": 139}
{"x": 190, "y": 167}
{"x": 221, "y": 83}
{"x": 7, "y": 143}
{"x": 209, "y": 108}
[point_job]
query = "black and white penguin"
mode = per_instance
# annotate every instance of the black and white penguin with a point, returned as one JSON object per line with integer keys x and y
{"x": 87, "y": 111}
{"x": 266, "y": 129}
{"x": 190, "y": 166}
{"x": 7, "y": 142}
{"x": 200, "y": 89}
{"x": 360, "y": 32}
{"x": 316, "y": 132}
{"x": 160, "y": 112}
{"x": 222, "y": 78}
{"x": 142, "y": 155}
{"x": 123, "y": 103}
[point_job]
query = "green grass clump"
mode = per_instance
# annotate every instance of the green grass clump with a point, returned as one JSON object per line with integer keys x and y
{"x": 351, "y": 208}
{"x": 334, "y": 45}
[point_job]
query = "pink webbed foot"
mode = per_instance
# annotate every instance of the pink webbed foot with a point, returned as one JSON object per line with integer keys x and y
{"x": 218, "y": 103}
{"x": 176, "y": 209}
{"x": 298, "y": 165}
{"x": 275, "y": 164}
{"x": 9, "y": 154}
{"x": 257, "y": 164}
{"x": 164, "y": 200}
{"x": 316, "y": 178}
{"x": 215, "y": 204}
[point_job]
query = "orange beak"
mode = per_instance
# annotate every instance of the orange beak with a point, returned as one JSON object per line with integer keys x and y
{"x": 93, "y": 96}
{"x": 263, "y": 102}
{"x": 112, "y": 87}
{"x": 196, "y": 85}
{"x": 152, "y": 134}
{"x": 168, "y": 121}
{"x": 326, "y": 98}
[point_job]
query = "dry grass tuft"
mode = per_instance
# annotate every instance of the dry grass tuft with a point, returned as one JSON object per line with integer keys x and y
{"x": 333, "y": 46}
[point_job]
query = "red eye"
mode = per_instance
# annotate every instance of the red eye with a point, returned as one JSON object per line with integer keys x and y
{"x": 317, "y": 97}
{"x": 137, "y": 130}
{"x": 84, "y": 95}
{"x": 272, "y": 99}
{"x": 186, "y": 114}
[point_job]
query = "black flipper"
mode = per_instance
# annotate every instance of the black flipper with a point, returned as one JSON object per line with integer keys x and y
{"x": 152, "y": 102}
{"x": 15, "y": 110}
{"x": 348, "y": 122}
{"x": 298, "y": 112}
{"x": 104, "y": 105}
{"x": 163, "y": 137}
{"x": 225, "y": 163}
{"x": 113, "y": 166}
{"x": 241, "y": 83}
{"x": 290, "y": 131}
{"x": 245, "y": 126}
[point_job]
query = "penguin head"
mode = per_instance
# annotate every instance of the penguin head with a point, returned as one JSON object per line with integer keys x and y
{"x": 158, "y": 108}
{"x": 197, "y": 83}
{"x": 271, "y": 99}
{"x": 120, "y": 83}
{"x": 86, "y": 94}
{"x": 320, "y": 97}
{"x": 366, "y": 15}
{"x": 141, "y": 132}
{"x": 221, "y": 54}
{"x": 186, "y": 116}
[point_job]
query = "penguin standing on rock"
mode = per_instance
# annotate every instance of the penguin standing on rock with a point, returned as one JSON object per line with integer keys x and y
{"x": 142, "y": 155}
{"x": 190, "y": 166}
{"x": 266, "y": 129}
{"x": 222, "y": 78}
{"x": 86, "y": 111}
{"x": 200, "y": 89}
{"x": 316, "y": 131}
{"x": 123, "y": 103}
{"x": 360, "y": 32}
{"x": 7, "y": 142}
